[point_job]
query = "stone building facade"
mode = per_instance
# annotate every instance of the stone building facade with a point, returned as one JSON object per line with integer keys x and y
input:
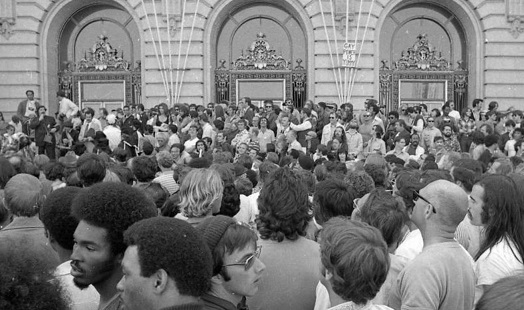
{"x": 112, "y": 52}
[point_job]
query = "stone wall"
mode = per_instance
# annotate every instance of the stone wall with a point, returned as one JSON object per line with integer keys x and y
{"x": 23, "y": 66}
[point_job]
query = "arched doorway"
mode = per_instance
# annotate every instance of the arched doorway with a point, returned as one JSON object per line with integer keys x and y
{"x": 428, "y": 53}
{"x": 92, "y": 51}
{"x": 283, "y": 27}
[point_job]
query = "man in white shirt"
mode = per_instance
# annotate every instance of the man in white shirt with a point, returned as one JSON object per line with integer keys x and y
{"x": 293, "y": 144}
{"x": 67, "y": 108}
{"x": 113, "y": 133}
{"x": 329, "y": 129}
{"x": 207, "y": 129}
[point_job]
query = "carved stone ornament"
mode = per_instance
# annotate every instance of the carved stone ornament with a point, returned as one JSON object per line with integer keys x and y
{"x": 260, "y": 57}
{"x": 516, "y": 26}
{"x": 422, "y": 56}
{"x": 515, "y": 17}
{"x": 7, "y": 17}
{"x": 103, "y": 57}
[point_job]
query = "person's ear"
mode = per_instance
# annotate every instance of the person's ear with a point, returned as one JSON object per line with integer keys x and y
{"x": 160, "y": 280}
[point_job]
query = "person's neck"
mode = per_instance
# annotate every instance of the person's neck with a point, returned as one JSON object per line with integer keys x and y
{"x": 107, "y": 288}
{"x": 334, "y": 299}
{"x": 221, "y": 292}
{"x": 434, "y": 235}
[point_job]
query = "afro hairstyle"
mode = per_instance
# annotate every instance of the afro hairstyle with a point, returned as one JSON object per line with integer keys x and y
{"x": 57, "y": 218}
{"x": 114, "y": 207}
{"x": 176, "y": 247}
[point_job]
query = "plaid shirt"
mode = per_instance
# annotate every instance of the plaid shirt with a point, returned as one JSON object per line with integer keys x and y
{"x": 466, "y": 127}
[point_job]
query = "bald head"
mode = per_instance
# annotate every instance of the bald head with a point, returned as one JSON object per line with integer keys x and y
{"x": 450, "y": 202}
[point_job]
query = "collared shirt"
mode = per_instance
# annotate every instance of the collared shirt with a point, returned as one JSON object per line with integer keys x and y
{"x": 215, "y": 303}
{"x": 265, "y": 136}
{"x": 354, "y": 142}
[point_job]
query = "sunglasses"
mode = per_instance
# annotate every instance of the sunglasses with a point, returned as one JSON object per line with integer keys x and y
{"x": 417, "y": 196}
{"x": 250, "y": 261}
{"x": 431, "y": 121}
{"x": 331, "y": 117}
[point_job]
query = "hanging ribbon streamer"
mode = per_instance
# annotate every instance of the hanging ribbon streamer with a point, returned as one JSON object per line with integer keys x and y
{"x": 188, "y": 46}
{"x": 329, "y": 49}
{"x": 361, "y": 46}
{"x": 177, "y": 95}
{"x": 164, "y": 79}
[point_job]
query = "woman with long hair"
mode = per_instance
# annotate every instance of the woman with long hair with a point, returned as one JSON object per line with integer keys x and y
{"x": 163, "y": 119}
{"x": 375, "y": 144}
{"x": 340, "y": 134}
{"x": 496, "y": 203}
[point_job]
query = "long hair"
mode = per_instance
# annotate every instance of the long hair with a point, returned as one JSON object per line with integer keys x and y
{"x": 502, "y": 214}
{"x": 199, "y": 189}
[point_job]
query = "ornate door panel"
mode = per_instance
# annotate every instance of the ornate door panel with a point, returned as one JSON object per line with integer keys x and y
{"x": 422, "y": 75}
{"x": 261, "y": 74}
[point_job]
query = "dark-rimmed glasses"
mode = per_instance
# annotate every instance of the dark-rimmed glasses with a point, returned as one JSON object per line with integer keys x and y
{"x": 250, "y": 261}
{"x": 417, "y": 196}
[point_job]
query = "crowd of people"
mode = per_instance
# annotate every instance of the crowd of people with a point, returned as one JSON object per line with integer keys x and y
{"x": 231, "y": 206}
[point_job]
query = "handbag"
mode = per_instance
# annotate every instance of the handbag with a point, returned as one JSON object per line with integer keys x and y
{"x": 48, "y": 138}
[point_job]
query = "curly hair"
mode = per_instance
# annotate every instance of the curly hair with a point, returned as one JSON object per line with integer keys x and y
{"x": 176, "y": 247}
{"x": 144, "y": 168}
{"x": 284, "y": 206}
{"x": 360, "y": 181}
{"x": 26, "y": 283}
{"x": 114, "y": 207}
{"x": 57, "y": 218}
{"x": 332, "y": 198}
{"x": 230, "y": 201}
{"x": 54, "y": 171}
{"x": 200, "y": 188}
{"x": 357, "y": 256}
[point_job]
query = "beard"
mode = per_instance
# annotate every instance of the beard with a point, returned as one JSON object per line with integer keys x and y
{"x": 97, "y": 274}
{"x": 447, "y": 135}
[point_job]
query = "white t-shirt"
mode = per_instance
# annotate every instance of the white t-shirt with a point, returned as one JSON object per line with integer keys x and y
{"x": 86, "y": 299}
{"x": 497, "y": 263}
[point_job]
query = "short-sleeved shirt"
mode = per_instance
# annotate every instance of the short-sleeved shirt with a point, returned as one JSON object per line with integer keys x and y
{"x": 497, "y": 263}
{"x": 441, "y": 277}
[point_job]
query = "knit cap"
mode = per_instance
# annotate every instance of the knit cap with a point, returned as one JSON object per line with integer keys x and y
{"x": 212, "y": 229}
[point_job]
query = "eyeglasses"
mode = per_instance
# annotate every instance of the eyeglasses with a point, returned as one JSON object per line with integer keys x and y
{"x": 250, "y": 261}
{"x": 417, "y": 196}
{"x": 332, "y": 117}
{"x": 430, "y": 121}
{"x": 367, "y": 115}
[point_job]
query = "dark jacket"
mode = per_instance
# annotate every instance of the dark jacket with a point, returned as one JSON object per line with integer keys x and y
{"x": 42, "y": 128}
